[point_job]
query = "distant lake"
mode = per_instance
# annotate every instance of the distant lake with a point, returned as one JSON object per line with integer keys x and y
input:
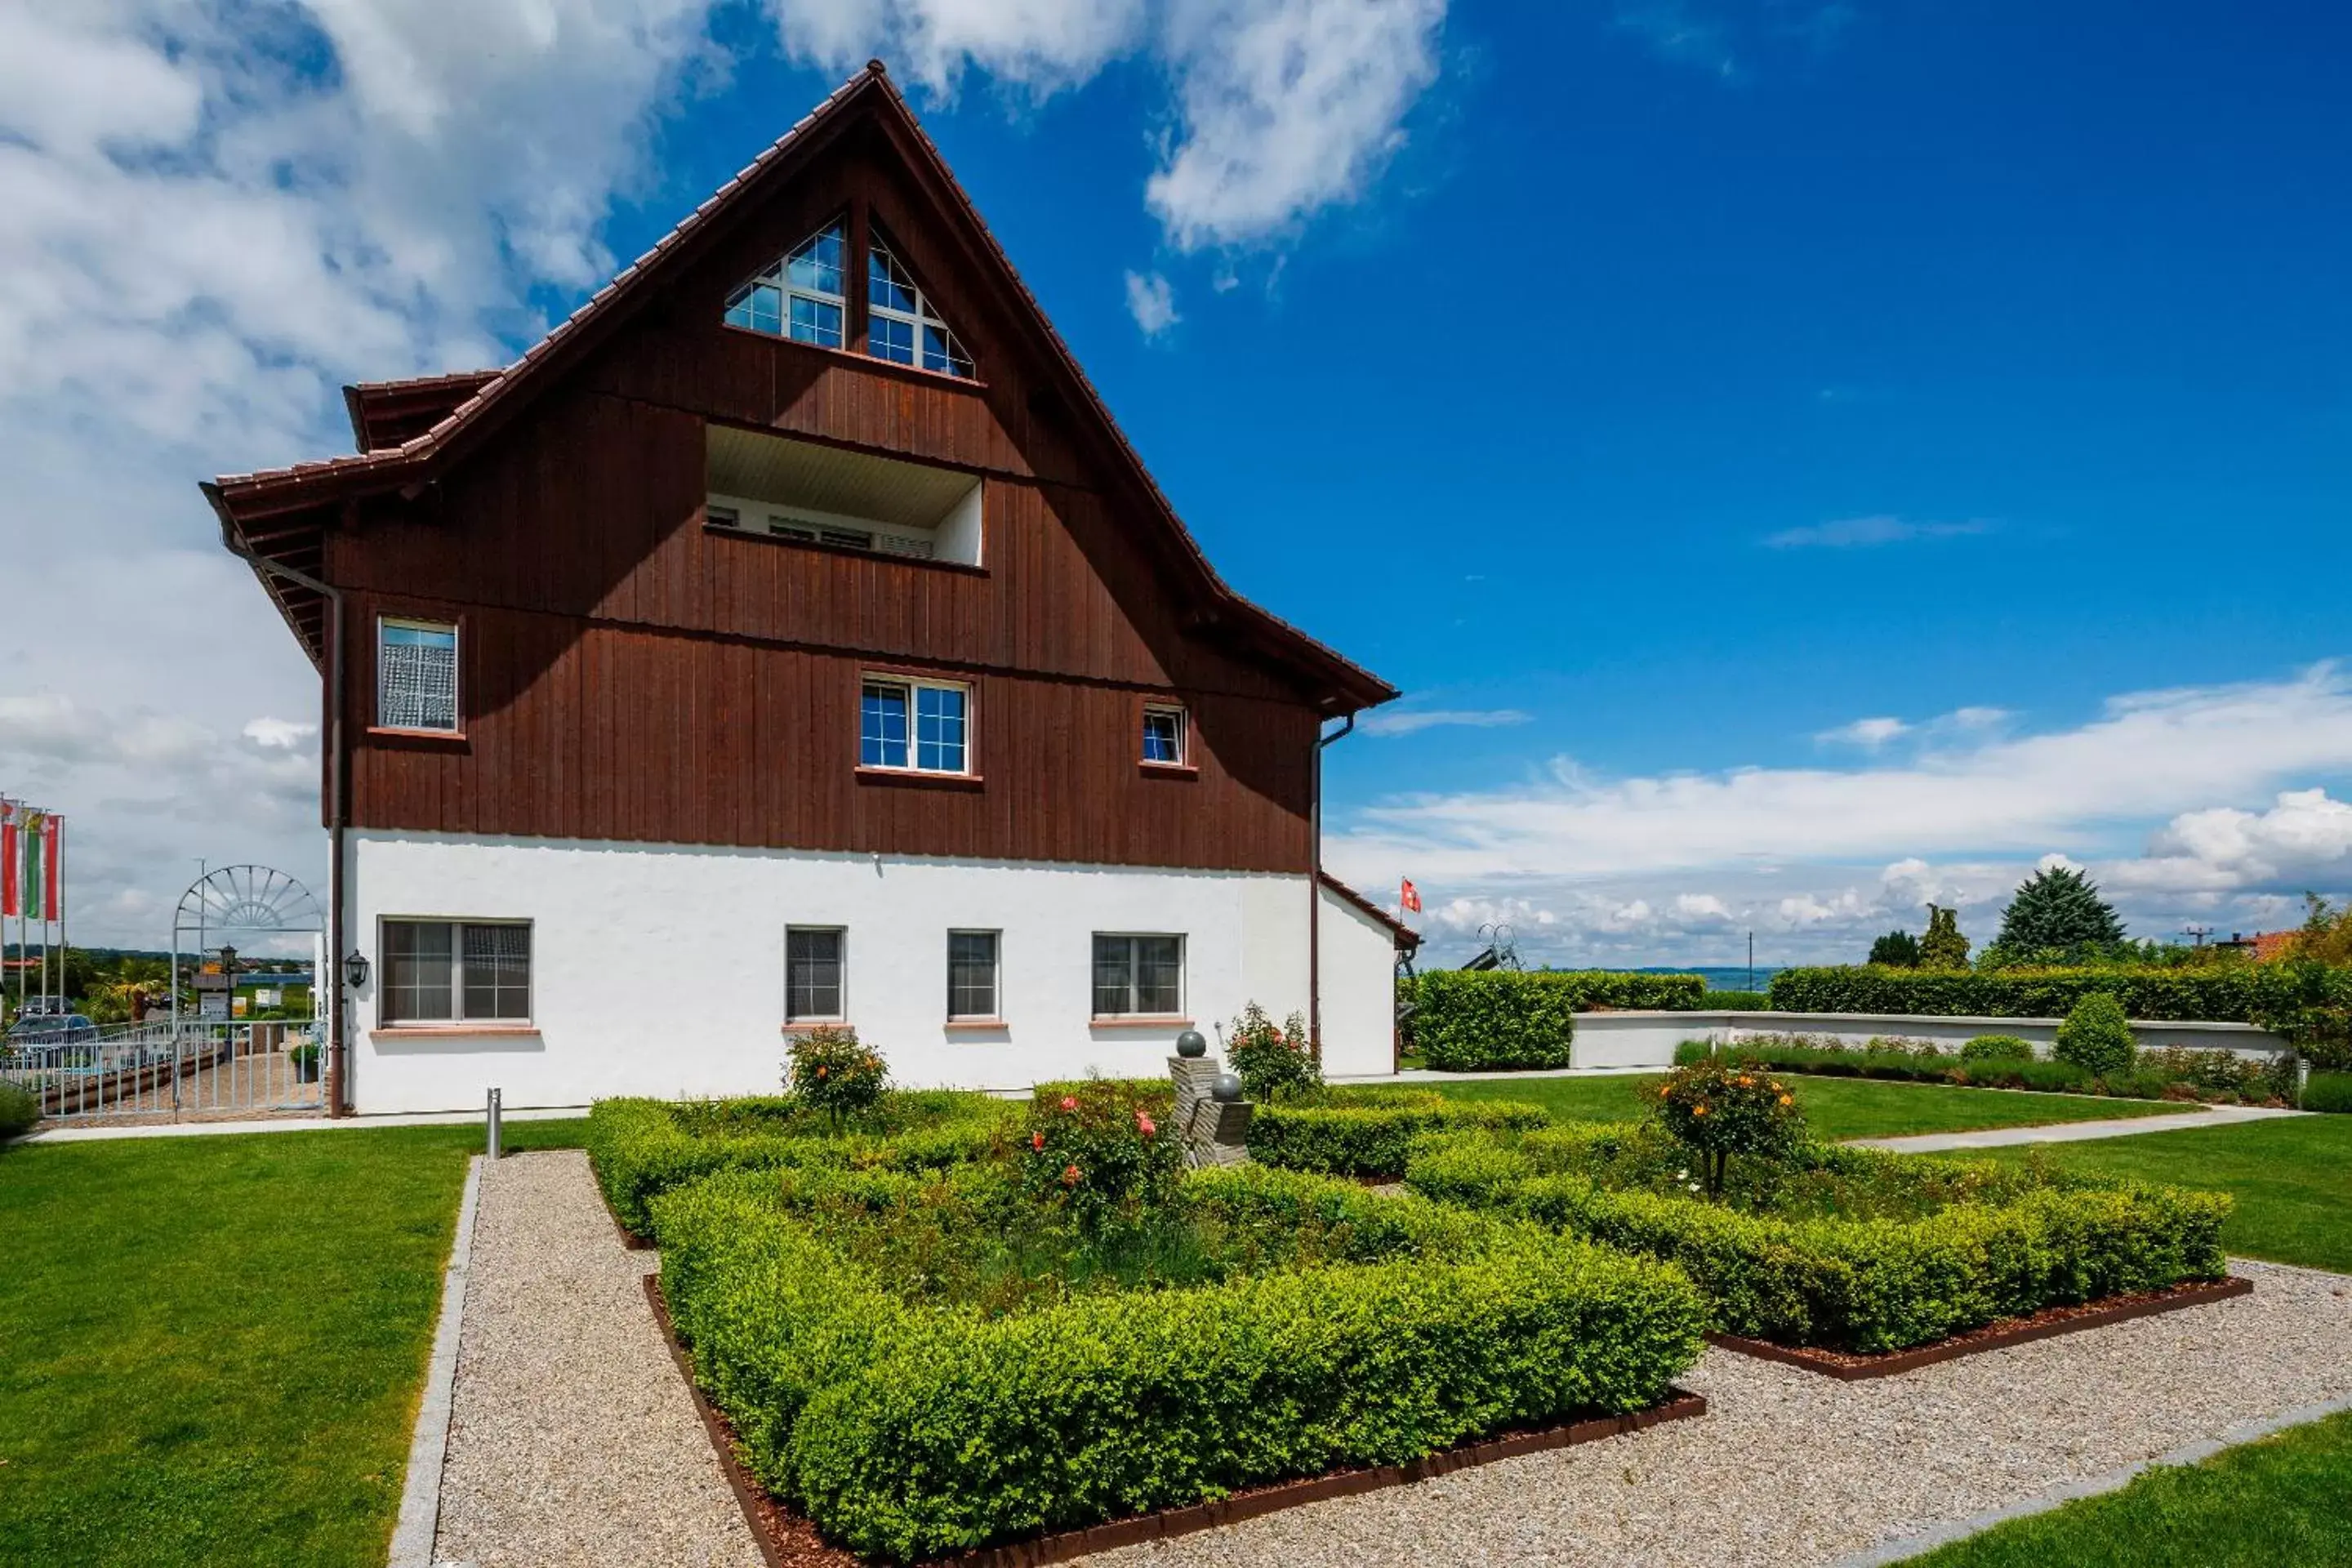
{"x": 1718, "y": 978}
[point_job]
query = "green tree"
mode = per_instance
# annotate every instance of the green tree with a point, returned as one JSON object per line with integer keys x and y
{"x": 2058, "y": 910}
{"x": 1943, "y": 947}
{"x": 1896, "y": 950}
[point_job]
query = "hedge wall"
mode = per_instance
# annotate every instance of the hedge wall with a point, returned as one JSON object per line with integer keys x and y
{"x": 640, "y": 1148}
{"x": 1367, "y": 1136}
{"x": 1865, "y": 1285}
{"x": 908, "y": 1432}
{"x": 2242, "y": 993}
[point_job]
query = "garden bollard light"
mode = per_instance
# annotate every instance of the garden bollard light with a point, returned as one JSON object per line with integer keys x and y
{"x": 492, "y": 1138}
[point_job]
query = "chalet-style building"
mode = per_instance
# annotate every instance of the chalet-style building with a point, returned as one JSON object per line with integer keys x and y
{"x": 792, "y": 637}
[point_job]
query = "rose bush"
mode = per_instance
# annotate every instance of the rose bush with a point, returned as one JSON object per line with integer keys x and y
{"x": 1718, "y": 1108}
{"x": 830, "y": 1069}
{"x": 1097, "y": 1151}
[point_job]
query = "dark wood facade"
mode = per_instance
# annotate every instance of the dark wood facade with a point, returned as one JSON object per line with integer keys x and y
{"x": 627, "y": 673}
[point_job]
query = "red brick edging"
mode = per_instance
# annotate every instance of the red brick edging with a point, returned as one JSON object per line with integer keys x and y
{"x": 2051, "y": 1322}
{"x": 788, "y": 1541}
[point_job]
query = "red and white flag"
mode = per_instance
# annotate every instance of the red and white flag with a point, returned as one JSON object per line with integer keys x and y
{"x": 1409, "y": 897}
{"x": 8, "y": 874}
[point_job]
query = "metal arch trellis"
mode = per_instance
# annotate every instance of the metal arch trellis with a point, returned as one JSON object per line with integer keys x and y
{"x": 255, "y": 901}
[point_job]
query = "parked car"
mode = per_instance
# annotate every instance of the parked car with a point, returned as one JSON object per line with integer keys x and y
{"x": 51, "y": 1029}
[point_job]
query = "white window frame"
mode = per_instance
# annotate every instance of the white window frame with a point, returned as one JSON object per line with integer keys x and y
{"x": 1134, "y": 968}
{"x": 458, "y": 1017}
{"x": 912, "y": 684}
{"x": 995, "y": 976}
{"x": 1183, "y": 757}
{"x": 841, "y": 980}
{"x": 457, "y": 725}
{"x": 778, "y": 275}
{"x": 959, "y": 360}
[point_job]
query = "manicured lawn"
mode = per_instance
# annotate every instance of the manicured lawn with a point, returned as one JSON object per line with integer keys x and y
{"x": 1834, "y": 1106}
{"x": 2292, "y": 1178}
{"x": 2261, "y": 1505}
{"x": 211, "y": 1349}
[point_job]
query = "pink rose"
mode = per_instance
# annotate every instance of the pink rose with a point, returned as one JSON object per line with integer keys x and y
{"x": 1069, "y": 1102}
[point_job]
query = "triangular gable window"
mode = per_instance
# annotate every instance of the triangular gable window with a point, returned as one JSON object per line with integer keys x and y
{"x": 799, "y": 297}
{"x": 900, "y": 323}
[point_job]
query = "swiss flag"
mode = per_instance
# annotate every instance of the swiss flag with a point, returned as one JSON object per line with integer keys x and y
{"x": 1409, "y": 897}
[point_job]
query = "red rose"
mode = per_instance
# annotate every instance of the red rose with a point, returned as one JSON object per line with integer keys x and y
{"x": 1037, "y": 1141}
{"x": 1070, "y": 1177}
{"x": 1069, "y": 1103}
{"x": 1143, "y": 1124}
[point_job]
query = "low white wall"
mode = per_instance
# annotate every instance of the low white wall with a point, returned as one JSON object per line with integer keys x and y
{"x": 1648, "y": 1039}
{"x": 659, "y": 970}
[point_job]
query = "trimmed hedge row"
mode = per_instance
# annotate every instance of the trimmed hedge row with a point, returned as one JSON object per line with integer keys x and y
{"x": 2330, "y": 1092}
{"x": 18, "y": 1110}
{"x": 640, "y": 1148}
{"x": 2221, "y": 1077}
{"x": 1862, "y": 1285}
{"x": 2242, "y": 994}
{"x": 908, "y": 1432}
{"x": 1367, "y": 1135}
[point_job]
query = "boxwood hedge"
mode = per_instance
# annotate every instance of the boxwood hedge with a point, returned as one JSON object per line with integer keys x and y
{"x": 1364, "y": 1133}
{"x": 2017, "y": 1242}
{"x": 2240, "y": 994}
{"x": 642, "y": 1147}
{"x": 1469, "y": 1020}
{"x": 908, "y": 1430}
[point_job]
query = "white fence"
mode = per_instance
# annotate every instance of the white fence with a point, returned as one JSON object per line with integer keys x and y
{"x": 160, "y": 1069}
{"x": 1647, "y": 1039}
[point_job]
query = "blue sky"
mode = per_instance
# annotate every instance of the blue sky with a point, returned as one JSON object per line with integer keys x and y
{"x": 1791, "y": 441}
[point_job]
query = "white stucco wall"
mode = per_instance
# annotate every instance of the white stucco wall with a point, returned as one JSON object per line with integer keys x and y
{"x": 1648, "y": 1039}
{"x": 659, "y": 970}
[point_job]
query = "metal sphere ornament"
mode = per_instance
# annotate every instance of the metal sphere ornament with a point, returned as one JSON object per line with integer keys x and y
{"x": 1227, "y": 1088}
{"x": 1191, "y": 1043}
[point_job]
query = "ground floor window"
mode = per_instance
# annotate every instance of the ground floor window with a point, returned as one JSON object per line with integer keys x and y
{"x": 1138, "y": 975}
{"x": 454, "y": 971}
{"x": 972, "y": 974}
{"x": 812, "y": 968}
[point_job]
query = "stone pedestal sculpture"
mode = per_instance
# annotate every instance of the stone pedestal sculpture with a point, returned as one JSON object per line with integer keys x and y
{"x": 1214, "y": 1128}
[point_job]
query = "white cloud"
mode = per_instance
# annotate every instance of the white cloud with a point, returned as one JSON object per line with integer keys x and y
{"x": 1958, "y": 823}
{"x": 1151, "y": 301}
{"x": 1701, "y": 908}
{"x": 281, "y": 734}
{"x": 1283, "y": 107}
{"x": 1288, "y": 106}
{"x": 1410, "y": 722}
{"x": 2304, "y": 838}
{"x": 1871, "y": 733}
{"x": 1850, "y": 532}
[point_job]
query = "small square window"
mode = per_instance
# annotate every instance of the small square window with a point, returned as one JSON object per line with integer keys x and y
{"x": 888, "y": 338}
{"x": 920, "y": 725}
{"x": 812, "y": 973}
{"x": 814, "y": 321}
{"x": 454, "y": 970}
{"x": 416, "y": 675}
{"x": 1138, "y": 975}
{"x": 1163, "y": 736}
{"x": 972, "y": 974}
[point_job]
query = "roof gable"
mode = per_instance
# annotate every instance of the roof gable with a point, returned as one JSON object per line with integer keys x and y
{"x": 291, "y": 506}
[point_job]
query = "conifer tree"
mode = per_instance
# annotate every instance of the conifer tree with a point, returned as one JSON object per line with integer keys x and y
{"x": 1943, "y": 947}
{"x": 2058, "y": 909}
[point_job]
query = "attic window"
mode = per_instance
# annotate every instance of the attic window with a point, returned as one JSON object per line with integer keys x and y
{"x": 799, "y": 297}
{"x": 900, "y": 323}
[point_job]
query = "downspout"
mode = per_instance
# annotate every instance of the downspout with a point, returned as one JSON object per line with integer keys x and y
{"x": 334, "y": 978}
{"x": 1315, "y": 891}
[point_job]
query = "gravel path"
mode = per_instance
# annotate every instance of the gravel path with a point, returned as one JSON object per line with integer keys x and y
{"x": 1790, "y": 1467}
{"x": 573, "y": 1440}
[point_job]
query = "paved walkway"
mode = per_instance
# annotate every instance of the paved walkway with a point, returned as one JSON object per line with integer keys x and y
{"x": 2073, "y": 1132}
{"x": 69, "y": 1133}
